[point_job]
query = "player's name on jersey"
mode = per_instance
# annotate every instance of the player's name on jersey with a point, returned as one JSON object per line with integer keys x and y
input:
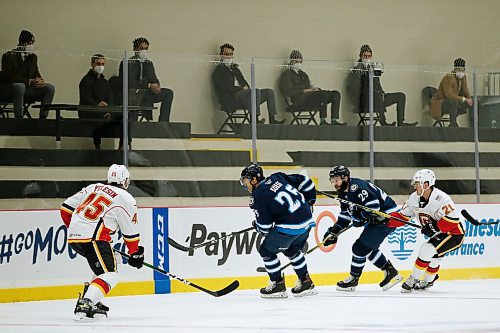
{"x": 106, "y": 190}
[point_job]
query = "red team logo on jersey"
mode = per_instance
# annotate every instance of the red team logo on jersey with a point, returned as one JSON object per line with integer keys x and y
{"x": 425, "y": 218}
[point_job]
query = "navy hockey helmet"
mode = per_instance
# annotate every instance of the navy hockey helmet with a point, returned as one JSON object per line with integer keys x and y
{"x": 339, "y": 171}
{"x": 250, "y": 171}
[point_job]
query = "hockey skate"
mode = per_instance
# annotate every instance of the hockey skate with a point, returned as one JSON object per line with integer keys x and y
{"x": 275, "y": 289}
{"x": 99, "y": 305}
{"x": 86, "y": 310}
{"x": 424, "y": 285}
{"x": 348, "y": 284}
{"x": 391, "y": 278}
{"x": 408, "y": 285}
{"x": 304, "y": 287}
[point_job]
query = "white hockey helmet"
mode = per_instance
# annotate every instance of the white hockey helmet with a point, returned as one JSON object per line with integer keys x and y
{"x": 119, "y": 174}
{"x": 424, "y": 175}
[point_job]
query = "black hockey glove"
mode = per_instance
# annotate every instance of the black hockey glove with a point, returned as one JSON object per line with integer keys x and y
{"x": 430, "y": 229}
{"x": 377, "y": 219}
{"x": 331, "y": 235}
{"x": 137, "y": 258}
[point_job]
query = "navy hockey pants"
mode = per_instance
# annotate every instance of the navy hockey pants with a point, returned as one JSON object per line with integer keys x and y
{"x": 367, "y": 246}
{"x": 291, "y": 246}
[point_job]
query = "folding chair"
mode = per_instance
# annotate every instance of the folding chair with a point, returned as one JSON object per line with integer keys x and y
{"x": 238, "y": 116}
{"x": 427, "y": 94}
{"x": 301, "y": 115}
{"x": 364, "y": 117}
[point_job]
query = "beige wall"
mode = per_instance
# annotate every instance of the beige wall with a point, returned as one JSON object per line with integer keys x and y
{"x": 183, "y": 32}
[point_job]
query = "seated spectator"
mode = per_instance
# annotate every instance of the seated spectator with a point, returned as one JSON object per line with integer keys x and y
{"x": 453, "y": 95}
{"x": 144, "y": 86}
{"x": 358, "y": 90}
{"x": 95, "y": 91}
{"x": 20, "y": 68}
{"x": 295, "y": 83}
{"x": 234, "y": 91}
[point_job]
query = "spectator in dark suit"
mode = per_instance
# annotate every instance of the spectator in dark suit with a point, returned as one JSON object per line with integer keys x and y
{"x": 295, "y": 83}
{"x": 95, "y": 91}
{"x": 358, "y": 90}
{"x": 234, "y": 91}
{"x": 144, "y": 86}
{"x": 20, "y": 67}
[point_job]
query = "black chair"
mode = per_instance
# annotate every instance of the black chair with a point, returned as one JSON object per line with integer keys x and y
{"x": 427, "y": 94}
{"x": 364, "y": 117}
{"x": 238, "y": 116}
{"x": 301, "y": 115}
{"x": 6, "y": 99}
{"x": 116, "y": 85}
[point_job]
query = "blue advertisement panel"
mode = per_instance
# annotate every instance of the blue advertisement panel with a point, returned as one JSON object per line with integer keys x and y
{"x": 160, "y": 249}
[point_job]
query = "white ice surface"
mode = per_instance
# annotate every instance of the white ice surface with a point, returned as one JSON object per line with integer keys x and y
{"x": 451, "y": 306}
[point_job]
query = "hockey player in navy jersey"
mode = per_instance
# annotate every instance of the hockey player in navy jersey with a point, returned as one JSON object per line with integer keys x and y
{"x": 375, "y": 227}
{"x": 283, "y": 213}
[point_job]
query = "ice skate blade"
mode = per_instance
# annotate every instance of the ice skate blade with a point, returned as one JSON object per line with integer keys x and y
{"x": 346, "y": 288}
{"x": 397, "y": 279}
{"x": 82, "y": 316}
{"x": 406, "y": 291}
{"x": 275, "y": 295}
{"x": 100, "y": 316}
{"x": 310, "y": 292}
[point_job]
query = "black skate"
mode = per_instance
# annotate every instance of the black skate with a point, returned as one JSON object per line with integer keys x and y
{"x": 408, "y": 285}
{"x": 349, "y": 284}
{"x": 99, "y": 305}
{"x": 304, "y": 287}
{"x": 86, "y": 310}
{"x": 424, "y": 285}
{"x": 391, "y": 278}
{"x": 275, "y": 289}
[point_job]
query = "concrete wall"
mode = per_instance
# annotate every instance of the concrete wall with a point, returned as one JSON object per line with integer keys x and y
{"x": 408, "y": 36}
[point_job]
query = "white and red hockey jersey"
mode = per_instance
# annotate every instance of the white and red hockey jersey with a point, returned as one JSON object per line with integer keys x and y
{"x": 440, "y": 208}
{"x": 97, "y": 211}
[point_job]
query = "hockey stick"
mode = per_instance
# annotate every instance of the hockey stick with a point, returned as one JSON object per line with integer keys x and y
{"x": 226, "y": 290}
{"x": 263, "y": 269}
{"x": 369, "y": 210}
{"x": 475, "y": 221}
{"x": 187, "y": 249}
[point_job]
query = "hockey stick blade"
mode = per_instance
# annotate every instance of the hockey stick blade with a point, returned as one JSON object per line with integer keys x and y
{"x": 178, "y": 246}
{"x": 218, "y": 293}
{"x": 474, "y": 221}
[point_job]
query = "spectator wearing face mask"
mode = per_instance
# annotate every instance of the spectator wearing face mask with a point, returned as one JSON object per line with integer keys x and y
{"x": 453, "y": 96}
{"x": 358, "y": 90}
{"x": 144, "y": 86}
{"x": 234, "y": 91}
{"x": 20, "y": 68}
{"x": 295, "y": 84}
{"x": 95, "y": 91}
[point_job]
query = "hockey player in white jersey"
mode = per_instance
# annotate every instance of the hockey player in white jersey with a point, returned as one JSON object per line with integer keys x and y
{"x": 436, "y": 212}
{"x": 92, "y": 215}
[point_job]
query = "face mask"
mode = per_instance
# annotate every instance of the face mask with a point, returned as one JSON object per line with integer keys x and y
{"x": 297, "y": 66}
{"x": 366, "y": 61}
{"x": 142, "y": 54}
{"x": 29, "y": 49}
{"x": 99, "y": 69}
{"x": 227, "y": 61}
{"x": 460, "y": 74}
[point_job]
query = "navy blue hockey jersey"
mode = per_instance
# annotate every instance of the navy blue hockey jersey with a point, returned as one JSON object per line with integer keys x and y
{"x": 367, "y": 194}
{"x": 284, "y": 202}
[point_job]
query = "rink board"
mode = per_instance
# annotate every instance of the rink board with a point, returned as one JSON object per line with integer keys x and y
{"x": 36, "y": 263}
